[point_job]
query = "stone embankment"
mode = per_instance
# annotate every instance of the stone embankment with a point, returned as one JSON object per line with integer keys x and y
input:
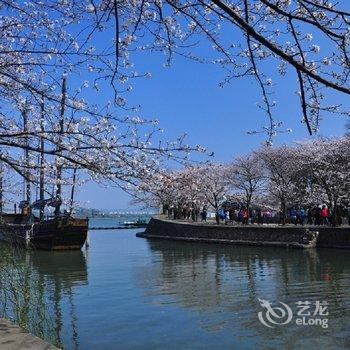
{"x": 263, "y": 235}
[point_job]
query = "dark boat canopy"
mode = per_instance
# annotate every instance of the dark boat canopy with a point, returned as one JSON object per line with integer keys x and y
{"x": 50, "y": 202}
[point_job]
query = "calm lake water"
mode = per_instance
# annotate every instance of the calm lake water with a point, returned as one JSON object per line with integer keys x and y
{"x": 129, "y": 293}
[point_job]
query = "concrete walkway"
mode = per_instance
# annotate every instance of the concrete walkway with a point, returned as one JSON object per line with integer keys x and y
{"x": 15, "y": 338}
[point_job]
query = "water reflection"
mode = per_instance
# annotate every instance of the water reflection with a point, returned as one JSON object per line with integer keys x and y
{"x": 33, "y": 285}
{"x": 226, "y": 282}
{"x": 130, "y": 293}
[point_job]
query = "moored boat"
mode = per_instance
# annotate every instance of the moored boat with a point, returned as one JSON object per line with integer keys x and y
{"x": 138, "y": 223}
{"x": 62, "y": 231}
{"x": 59, "y": 233}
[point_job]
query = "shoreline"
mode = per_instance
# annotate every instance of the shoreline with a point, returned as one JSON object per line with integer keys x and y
{"x": 13, "y": 337}
{"x": 161, "y": 227}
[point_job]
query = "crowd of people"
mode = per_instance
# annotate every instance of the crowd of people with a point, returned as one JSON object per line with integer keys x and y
{"x": 297, "y": 215}
{"x": 241, "y": 215}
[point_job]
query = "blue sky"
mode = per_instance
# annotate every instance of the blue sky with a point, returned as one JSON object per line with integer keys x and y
{"x": 186, "y": 98}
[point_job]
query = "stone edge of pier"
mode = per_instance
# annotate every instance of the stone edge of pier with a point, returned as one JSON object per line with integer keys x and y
{"x": 160, "y": 227}
{"x": 13, "y": 337}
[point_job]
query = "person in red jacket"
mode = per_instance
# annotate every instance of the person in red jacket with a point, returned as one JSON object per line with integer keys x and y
{"x": 324, "y": 215}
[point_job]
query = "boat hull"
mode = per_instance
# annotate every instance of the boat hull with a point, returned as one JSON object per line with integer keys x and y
{"x": 56, "y": 234}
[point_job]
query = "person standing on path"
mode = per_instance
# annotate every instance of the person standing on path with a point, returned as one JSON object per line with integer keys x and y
{"x": 204, "y": 214}
{"x": 324, "y": 215}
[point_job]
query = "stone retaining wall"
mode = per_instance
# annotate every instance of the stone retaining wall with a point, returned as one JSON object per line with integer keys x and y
{"x": 334, "y": 237}
{"x": 287, "y": 236}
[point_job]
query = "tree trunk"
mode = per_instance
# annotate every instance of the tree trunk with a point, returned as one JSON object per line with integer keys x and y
{"x": 217, "y": 217}
{"x": 334, "y": 215}
{"x": 283, "y": 212}
{"x": 249, "y": 199}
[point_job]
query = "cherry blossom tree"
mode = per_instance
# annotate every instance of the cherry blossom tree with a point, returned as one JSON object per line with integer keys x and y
{"x": 326, "y": 161}
{"x": 281, "y": 173}
{"x": 212, "y": 184}
{"x": 98, "y": 150}
{"x": 246, "y": 177}
{"x": 347, "y": 127}
{"x": 186, "y": 189}
{"x": 45, "y": 49}
{"x": 309, "y": 38}
{"x": 311, "y": 172}
{"x": 307, "y": 173}
{"x": 43, "y": 44}
{"x": 158, "y": 190}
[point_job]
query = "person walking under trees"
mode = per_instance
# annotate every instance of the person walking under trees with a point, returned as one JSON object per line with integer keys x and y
{"x": 317, "y": 216}
{"x": 293, "y": 215}
{"x": 240, "y": 216}
{"x": 232, "y": 215}
{"x": 245, "y": 216}
{"x": 324, "y": 215}
{"x": 310, "y": 214}
{"x": 204, "y": 214}
{"x": 227, "y": 216}
{"x": 301, "y": 215}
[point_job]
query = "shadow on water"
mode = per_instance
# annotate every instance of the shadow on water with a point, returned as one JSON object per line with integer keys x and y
{"x": 32, "y": 285}
{"x": 227, "y": 281}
